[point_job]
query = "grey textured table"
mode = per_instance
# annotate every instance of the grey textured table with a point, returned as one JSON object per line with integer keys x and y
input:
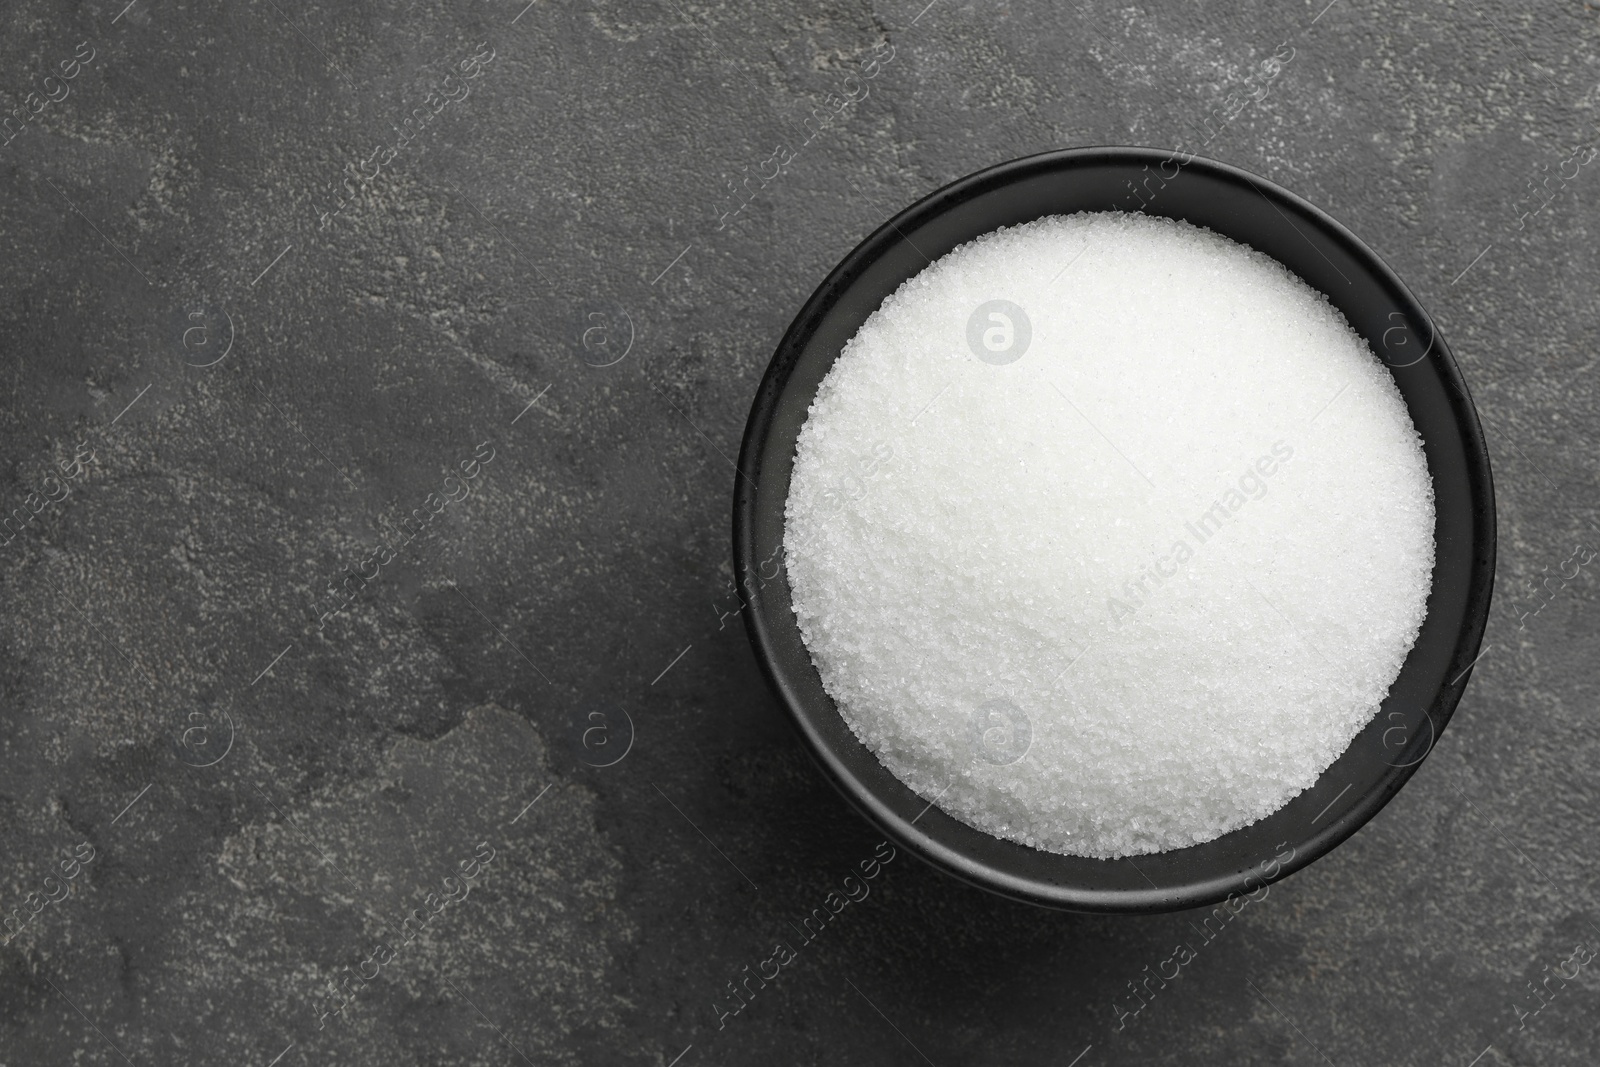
{"x": 459, "y": 308}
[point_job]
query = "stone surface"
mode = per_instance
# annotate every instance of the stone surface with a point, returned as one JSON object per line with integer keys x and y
{"x": 269, "y": 780}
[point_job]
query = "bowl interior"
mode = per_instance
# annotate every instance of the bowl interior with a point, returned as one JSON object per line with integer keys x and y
{"x": 1254, "y": 212}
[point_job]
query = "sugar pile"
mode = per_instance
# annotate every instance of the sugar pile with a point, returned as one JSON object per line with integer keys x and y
{"x": 1108, "y": 534}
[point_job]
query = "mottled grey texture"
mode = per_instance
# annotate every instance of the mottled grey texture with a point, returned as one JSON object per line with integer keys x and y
{"x": 340, "y": 787}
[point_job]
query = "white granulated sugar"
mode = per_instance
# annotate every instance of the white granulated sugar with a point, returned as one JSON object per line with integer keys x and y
{"x": 1136, "y": 588}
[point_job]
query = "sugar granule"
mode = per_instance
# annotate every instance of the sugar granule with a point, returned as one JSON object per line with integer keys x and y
{"x": 1108, "y": 534}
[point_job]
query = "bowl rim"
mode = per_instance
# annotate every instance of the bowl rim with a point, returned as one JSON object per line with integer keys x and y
{"x": 901, "y": 830}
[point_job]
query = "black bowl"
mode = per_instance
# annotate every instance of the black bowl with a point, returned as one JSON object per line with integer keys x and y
{"x": 1254, "y": 212}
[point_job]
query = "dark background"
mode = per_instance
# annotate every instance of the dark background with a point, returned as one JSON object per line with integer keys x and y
{"x": 267, "y": 796}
